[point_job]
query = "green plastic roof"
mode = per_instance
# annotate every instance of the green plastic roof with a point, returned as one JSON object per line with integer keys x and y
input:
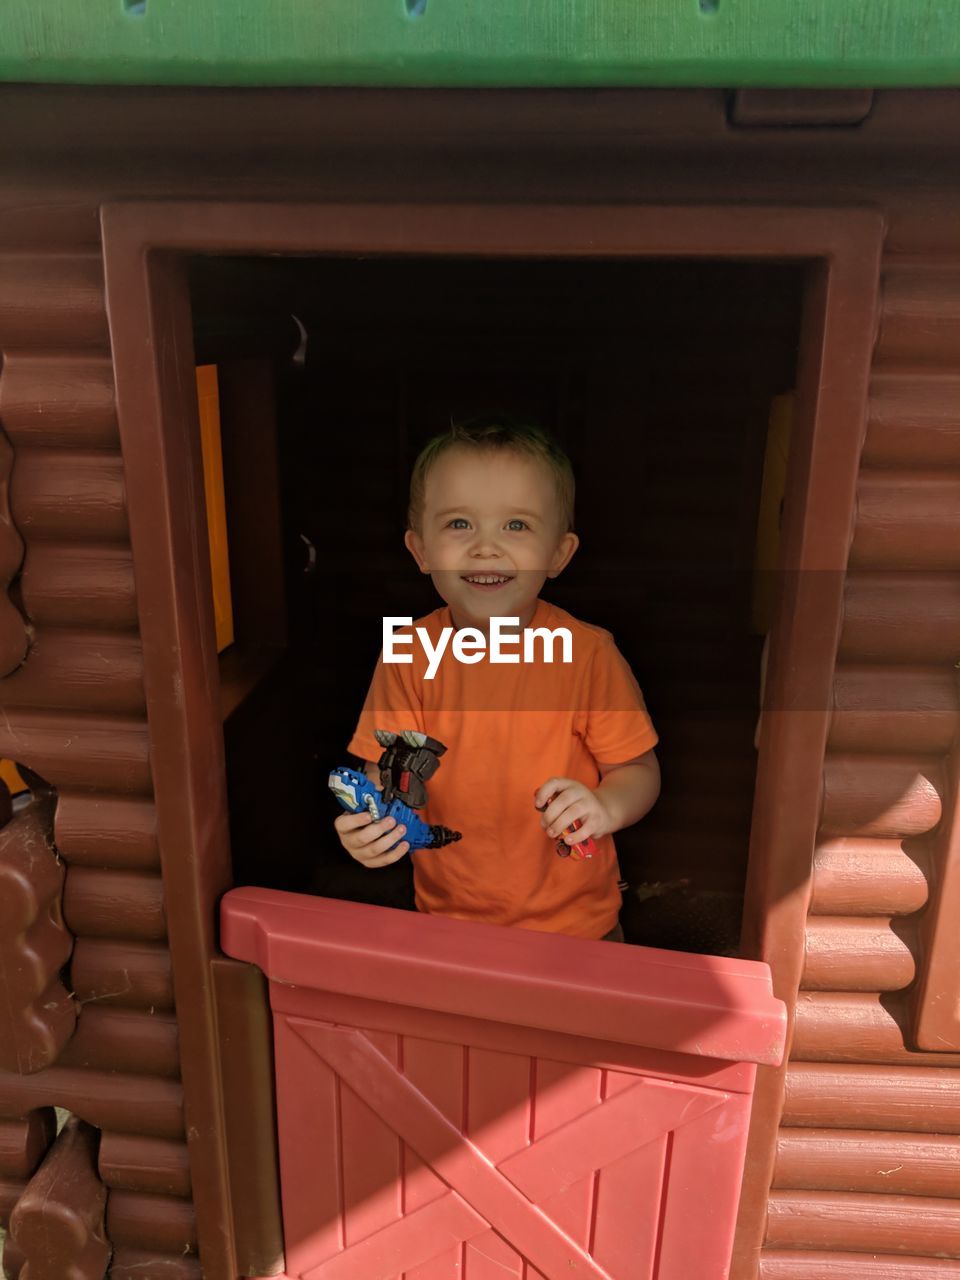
{"x": 728, "y": 43}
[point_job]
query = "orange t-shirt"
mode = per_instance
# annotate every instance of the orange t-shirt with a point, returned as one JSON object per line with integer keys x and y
{"x": 508, "y": 728}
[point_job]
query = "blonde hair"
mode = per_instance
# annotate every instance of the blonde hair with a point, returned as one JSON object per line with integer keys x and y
{"x": 495, "y": 434}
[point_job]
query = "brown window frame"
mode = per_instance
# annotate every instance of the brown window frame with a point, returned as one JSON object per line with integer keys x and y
{"x": 936, "y": 995}
{"x": 145, "y": 249}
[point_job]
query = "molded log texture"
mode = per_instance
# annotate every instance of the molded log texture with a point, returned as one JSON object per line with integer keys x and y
{"x": 108, "y": 1099}
{"x": 134, "y": 1041}
{"x": 75, "y": 495}
{"x": 865, "y": 878}
{"x": 115, "y": 904}
{"x": 142, "y": 1221}
{"x": 920, "y": 1099}
{"x": 874, "y": 1166}
{"x": 852, "y": 954}
{"x": 130, "y": 1162}
{"x": 858, "y": 1160}
{"x": 57, "y": 1224}
{"x": 58, "y": 401}
{"x": 107, "y": 832}
{"x": 80, "y": 584}
{"x": 95, "y": 671}
{"x": 813, "y": 1264}
{"x": 24, "y": 1143}
{"x": 884, "y": 797}
{"x": 75, "y": 714}
{"x": 54, "y": 301}
{"x": 870, "y": 1223}
{"x": 37, "y": 1015}
{"x": 906, "y": 520}
{"x": 858, "y": 1027}
{"x": 920, "y": 321}
{"x": 913, "y": 421}
{"x": 134, "y": 1264}
{"x": 899, "y": 616}
{"x": 910, "y": 710}
{"x": 135, "y": 975}
{"x": 95, "y": 752}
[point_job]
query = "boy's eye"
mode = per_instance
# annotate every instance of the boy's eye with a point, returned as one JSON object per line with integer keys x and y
{"x": 459, "y": 522}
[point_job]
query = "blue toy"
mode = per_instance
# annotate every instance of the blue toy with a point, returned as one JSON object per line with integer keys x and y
{"x": 409, "y": 758}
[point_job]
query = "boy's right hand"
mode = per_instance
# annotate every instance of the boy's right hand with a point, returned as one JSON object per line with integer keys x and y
{"x": 371, "y": 842}
{"x": 368, "y": 841}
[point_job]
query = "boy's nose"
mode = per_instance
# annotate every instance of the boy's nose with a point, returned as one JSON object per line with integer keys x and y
{"x": 485, "y": 548}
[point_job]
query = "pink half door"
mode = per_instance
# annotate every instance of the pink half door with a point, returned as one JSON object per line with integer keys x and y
{"x": 463, "y": 1100}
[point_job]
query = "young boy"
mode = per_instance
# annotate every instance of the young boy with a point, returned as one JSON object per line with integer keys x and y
{"x": 531, "y": 747}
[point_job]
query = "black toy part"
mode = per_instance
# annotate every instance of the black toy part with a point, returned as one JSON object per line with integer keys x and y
{"x": 409, "y": 760}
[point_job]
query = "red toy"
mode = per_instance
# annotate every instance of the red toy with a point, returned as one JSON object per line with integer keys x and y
{"x": 583, "y": 849}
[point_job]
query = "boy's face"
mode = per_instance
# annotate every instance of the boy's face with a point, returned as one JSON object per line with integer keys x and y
{"x": 490, "y": 534}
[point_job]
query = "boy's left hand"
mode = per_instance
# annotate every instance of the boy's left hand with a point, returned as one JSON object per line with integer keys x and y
{"x": 572, "y": 800}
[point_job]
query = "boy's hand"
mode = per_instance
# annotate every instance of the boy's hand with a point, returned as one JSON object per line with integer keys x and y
{"x": 368, "y": 841}
{"x": 563, "y": 801}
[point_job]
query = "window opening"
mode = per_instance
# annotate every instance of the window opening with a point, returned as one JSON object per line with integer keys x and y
{"x": 668, "y": 384}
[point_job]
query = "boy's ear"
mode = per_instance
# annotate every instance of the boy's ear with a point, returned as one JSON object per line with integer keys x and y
{"x": 563, "y": 554}
{"x": 414, "y": 544}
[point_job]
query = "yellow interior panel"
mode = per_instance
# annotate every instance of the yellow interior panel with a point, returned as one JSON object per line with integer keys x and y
{"x": 209, "y": 401}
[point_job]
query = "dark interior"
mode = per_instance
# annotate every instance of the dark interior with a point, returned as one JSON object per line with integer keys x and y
{"x": 657, "y": 377}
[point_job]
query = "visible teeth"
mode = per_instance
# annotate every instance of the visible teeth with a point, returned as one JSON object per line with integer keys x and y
{"x": 486, "y": 578}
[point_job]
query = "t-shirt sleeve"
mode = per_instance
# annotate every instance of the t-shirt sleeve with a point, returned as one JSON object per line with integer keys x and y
{"x": 616, "y": 726}
{"x": 392, "y": 702}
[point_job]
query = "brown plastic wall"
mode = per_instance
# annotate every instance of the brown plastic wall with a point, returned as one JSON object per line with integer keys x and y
{"x": 867, "y": 1155}
{"x": 853, "y": 1145}
{"x": 75, "y": 713}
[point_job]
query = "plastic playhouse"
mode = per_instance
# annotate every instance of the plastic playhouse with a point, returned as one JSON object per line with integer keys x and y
{"x": 251, "y": 258}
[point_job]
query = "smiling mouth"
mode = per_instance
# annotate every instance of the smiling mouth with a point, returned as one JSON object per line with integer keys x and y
{"x": 486, "y": 581}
